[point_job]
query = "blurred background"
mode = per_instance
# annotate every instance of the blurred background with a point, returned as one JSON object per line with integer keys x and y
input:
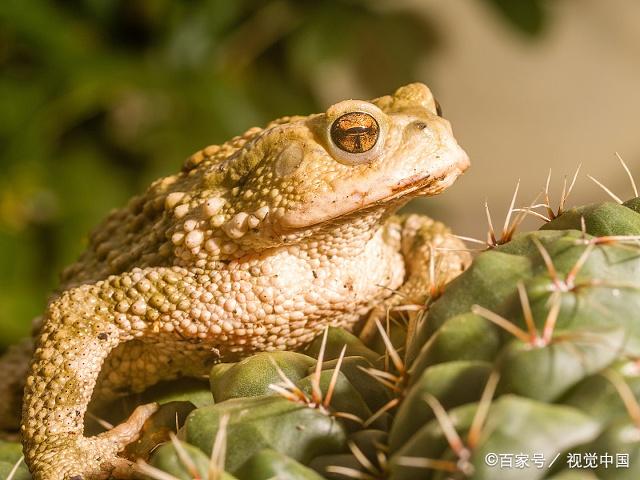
{"x": 99, "y": 97}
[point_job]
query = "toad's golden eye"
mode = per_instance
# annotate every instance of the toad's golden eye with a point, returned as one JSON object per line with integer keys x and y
{"x": 355, "y": 132}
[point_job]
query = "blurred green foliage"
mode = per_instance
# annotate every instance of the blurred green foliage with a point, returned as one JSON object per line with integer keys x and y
{"x": 99, "y": 97}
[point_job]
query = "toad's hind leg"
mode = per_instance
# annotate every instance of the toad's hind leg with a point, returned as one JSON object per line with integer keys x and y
{"x": 81, "y": 328}
{"x": 433, "y": 257}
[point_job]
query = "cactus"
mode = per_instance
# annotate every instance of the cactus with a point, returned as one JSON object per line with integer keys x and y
{"x": 547, "y": 321}
{"x": 11, "y": 464}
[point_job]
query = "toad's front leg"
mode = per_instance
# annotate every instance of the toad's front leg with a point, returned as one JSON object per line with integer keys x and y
{"x": 80, "y": 329}
{"x": 433, "y": 257}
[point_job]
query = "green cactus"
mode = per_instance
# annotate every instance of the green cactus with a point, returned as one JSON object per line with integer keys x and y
{"x": 11, "y": 461}
{"x": 268, "y": 464}
{"x": 549, "y": 313}
{"x": 184, "y": 462}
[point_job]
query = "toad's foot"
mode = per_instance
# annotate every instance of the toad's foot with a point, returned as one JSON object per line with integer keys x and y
{"x": 76, "y": 457}
{"x": 433, "y": 257}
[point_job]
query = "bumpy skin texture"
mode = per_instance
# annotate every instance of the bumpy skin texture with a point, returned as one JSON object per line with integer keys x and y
{"x": 257, "y": 244}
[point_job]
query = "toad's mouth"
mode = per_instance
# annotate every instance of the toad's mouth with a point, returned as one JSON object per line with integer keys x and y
{"x": 330, "y": 209}
{"x": 414, "y": 185}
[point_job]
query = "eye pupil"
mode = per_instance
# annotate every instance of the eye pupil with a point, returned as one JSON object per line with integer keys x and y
{"x": 355, "y": 132}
